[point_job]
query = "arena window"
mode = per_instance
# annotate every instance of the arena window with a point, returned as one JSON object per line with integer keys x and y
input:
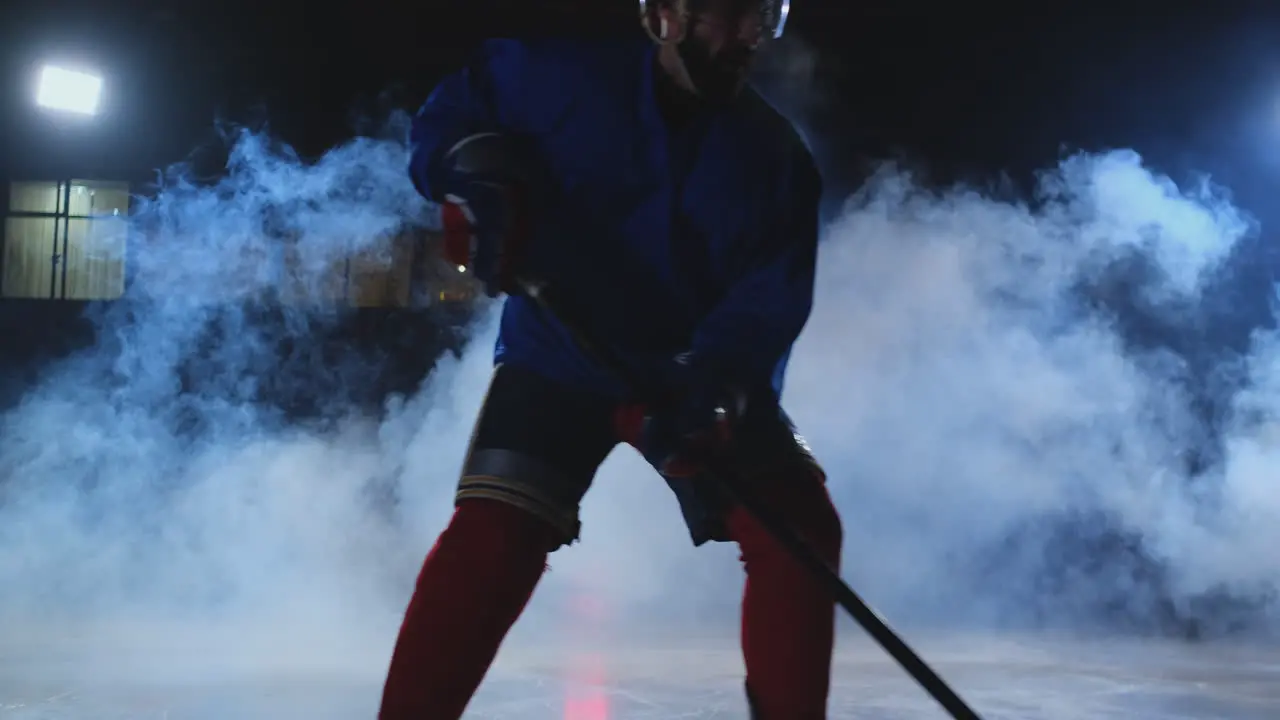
{"x": 65, "y": 240}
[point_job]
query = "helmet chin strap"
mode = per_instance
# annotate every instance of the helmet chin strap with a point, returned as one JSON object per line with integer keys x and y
{"x": 661, "y": 34}
{"x": 688, "y": 63}
{"x": 658, "y": 28}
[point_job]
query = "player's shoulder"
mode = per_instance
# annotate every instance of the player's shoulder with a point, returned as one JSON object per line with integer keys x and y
{"x": 544, "y": 80}
{"x": 564, "y": 59}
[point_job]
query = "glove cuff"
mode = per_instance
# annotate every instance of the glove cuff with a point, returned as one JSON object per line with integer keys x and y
{"x": 458, "y": 228}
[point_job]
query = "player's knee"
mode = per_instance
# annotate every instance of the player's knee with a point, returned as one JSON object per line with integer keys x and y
{"x": 553, "y": 511}
{"x": 523, "y": 520}
{"x": 494, "y": 522}
{"x": 805, "y": 505}
{"x": 818, "y": 521}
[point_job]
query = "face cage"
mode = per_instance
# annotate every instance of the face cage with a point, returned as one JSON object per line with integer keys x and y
{"x": 773, "y": 13}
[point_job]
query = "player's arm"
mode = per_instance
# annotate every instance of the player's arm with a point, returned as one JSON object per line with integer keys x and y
{"x": 739, "y": 345}
{"x": 483, "y": 97}
{"x": 462, "y": 154}
{"x": 751, "y": 330}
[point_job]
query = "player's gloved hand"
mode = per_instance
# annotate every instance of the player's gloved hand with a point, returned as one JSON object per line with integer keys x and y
{"x": 680, "y": 432}
{"x": 487, "y": 211}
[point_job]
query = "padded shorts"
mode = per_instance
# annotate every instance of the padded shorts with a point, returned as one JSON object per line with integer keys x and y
{"x": 538, "y": 444}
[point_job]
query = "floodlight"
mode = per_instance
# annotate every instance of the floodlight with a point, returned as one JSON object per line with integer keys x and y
{"x": 68, "y": 90}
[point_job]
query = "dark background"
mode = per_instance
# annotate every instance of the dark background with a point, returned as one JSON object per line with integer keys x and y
{"x": 985, "y": 92}
{"x": 977, "y": 86}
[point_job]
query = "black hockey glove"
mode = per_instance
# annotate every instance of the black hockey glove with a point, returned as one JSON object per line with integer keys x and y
{"x": 694, "y": 419}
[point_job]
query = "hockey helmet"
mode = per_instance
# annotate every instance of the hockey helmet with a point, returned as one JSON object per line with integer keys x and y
{"x": 773, "y": 13}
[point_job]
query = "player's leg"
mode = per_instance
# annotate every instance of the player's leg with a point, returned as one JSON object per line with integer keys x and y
{"x": 534, "y": 452}
{"x": 788, "y": 617}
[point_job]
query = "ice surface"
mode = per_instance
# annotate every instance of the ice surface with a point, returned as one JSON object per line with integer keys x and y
{"x": 1003, "y": 677}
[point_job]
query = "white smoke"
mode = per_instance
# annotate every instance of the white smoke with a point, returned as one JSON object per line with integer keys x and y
{"x": 964, "y": 391}
{"x": 958, "y": 379}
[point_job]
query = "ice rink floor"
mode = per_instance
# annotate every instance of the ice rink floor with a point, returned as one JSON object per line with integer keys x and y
{"x": 1026, "y": 678}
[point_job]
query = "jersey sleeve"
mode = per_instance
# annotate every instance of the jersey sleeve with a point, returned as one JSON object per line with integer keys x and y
{"x": 752, "y": 329}
{"x": 485, "y": 96}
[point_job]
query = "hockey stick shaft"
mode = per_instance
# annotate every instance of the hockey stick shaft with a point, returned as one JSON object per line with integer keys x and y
{"x": 780, "y": 530}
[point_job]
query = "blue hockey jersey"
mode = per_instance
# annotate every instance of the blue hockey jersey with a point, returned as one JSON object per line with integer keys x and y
{"x": 702, "y": 238}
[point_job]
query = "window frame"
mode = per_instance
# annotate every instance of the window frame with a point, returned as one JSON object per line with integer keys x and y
{"x": 62, "y": 217}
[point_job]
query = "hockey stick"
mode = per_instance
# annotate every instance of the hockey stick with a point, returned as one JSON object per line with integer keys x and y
{"x": 844, "y": 595}
{"x": 777, "y": 528}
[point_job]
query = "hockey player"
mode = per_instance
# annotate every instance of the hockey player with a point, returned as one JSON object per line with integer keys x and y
{"x": 677, "y": 212}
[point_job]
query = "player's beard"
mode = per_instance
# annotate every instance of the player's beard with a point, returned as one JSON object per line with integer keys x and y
{"x": 718, "y": 77}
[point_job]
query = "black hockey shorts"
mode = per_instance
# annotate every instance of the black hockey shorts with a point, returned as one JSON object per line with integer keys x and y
{"x": 538, "y": 444}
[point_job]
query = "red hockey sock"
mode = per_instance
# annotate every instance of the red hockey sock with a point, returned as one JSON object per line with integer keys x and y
{"x": 788, "y": 618}
{"x": 474, "y": 584}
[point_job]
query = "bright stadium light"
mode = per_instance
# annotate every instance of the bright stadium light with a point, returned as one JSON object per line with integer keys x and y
{"x": 68, "y": 90}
